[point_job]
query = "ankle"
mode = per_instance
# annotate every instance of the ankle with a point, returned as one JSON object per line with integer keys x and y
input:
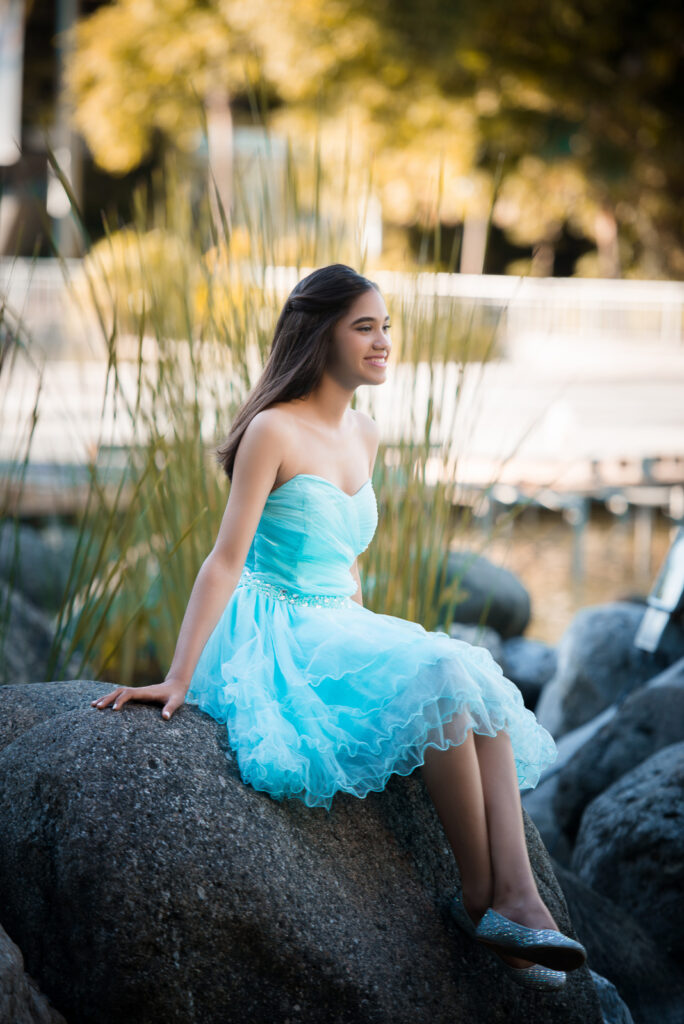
{"x": 530, "y": 911}
{"x": 476, "y": 902}
{"x": 525, "y": 894}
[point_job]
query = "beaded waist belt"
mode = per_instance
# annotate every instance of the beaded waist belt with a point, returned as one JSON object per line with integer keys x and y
{"x": 248, "y": 579}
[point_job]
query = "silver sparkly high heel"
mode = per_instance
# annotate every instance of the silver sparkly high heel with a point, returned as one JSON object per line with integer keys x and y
{"x": 544, "y": 945}
{"x": 536, "y": 976}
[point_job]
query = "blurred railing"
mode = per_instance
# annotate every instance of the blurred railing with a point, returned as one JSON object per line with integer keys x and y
{"x": 38, "y": 284}
{"x": 639, "y": 310}
{"x": 581, "y": 309}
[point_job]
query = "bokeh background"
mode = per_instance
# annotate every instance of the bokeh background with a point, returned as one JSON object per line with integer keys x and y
{"x": 512, "y": 178}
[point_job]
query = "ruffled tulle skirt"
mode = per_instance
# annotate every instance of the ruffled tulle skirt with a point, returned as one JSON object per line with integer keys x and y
{"x": 319, "y": 699}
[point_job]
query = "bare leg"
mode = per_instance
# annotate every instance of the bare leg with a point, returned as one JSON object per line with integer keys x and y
{"x": 515, "y": 892}
{"x": 452, "y": 777}
{"x": 475, "y": 791}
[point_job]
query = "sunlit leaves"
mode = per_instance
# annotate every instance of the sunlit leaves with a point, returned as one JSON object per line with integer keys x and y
{"x": 578, "y": 101}
{"x": 139, "y": 66}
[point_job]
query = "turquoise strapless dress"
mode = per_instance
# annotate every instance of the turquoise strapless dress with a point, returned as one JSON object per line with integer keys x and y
{"x": 320, "y": 694}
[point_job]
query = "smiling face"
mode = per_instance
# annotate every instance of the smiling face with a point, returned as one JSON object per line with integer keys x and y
{"x": 361, "y": 343}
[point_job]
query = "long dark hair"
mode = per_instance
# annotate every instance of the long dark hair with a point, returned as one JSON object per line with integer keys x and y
{"x": 300, "y": 347}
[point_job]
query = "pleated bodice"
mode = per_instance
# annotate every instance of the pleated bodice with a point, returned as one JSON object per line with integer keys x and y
{"x": 306, "y": 542}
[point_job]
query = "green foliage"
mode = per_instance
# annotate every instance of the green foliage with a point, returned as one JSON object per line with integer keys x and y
{"x": 580, "y": 103}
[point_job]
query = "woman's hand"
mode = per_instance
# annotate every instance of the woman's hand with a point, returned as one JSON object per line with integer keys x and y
{"x": 171, "y": 693}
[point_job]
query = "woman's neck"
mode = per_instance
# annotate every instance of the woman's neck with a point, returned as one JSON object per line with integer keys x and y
{"x": 328, "y": 404}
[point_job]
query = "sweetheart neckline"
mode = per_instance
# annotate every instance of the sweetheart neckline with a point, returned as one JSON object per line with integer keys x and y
{"x": 314, "y": 476}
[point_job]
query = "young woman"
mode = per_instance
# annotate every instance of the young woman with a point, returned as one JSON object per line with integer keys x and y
{"x": 319, "y": 693}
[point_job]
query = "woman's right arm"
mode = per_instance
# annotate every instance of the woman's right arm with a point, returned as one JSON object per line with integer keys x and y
{"x": 256, "y": 466}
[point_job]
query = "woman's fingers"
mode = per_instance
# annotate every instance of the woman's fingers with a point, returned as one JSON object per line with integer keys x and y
{"x": 103, "y": 702}
{"x": 174, "y": 701}
{"x": 117, "y": 698}
{"x": 122, "y": 697}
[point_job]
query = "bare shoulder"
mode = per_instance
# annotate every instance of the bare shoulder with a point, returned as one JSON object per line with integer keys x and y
{"x": 262, "y": 448}
{"x": 266, "y": 427}
{"x": 368, "y": 425}
{"x": 269, "y": 420}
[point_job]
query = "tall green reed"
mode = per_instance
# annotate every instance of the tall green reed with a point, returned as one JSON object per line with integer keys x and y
{"x": 14, "y": 340}
{"x": 185, "y": 300}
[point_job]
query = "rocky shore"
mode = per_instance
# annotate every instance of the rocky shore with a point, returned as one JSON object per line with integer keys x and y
{"x": 142, "y": 881}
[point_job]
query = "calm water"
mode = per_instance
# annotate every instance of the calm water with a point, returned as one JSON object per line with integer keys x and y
{"x": 538, "y": 548}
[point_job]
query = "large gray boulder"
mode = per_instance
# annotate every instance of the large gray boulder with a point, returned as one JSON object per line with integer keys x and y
{"x": 539, "y": 804}
{"x": 22, "y": 707}
{"x": 145, "y": 882}
{"x": 37, "y": 561}
{"x": 21, "y": 1001}
{"x": 28, "y": 636}
{"x": 619, "y": 949}
{"x": 630, "y": 846}
{"x": 479, "y": 636}
{"x": 488, "y": 594}
{"x": 28, "y": 639}
{"x": 613, "y": 1007}
{"x": 598, "y": 664}
{"x": 540, "y": 801}
{"x": 648, "y": 720}
{"x": 530, "y": 664}
{"x": 673, "y": 675}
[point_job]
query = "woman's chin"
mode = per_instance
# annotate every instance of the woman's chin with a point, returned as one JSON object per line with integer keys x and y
{"x": 378, "y": 375}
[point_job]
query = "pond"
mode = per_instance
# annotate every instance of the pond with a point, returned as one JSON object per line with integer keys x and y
{"x": 538, "y": 548}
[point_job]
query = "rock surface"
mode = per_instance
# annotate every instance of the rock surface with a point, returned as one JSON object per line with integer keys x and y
{"x": 614, "y": 1010}
{"x": 540, "y": 802}
{"x": 673, "y": 675}
{"x": 648, "y": 720}
{"x": 144, "y": 882}
{"x": 630, "y": 846}
{"x": 489, "y": 594}
{"x": 27, "y": 641}
{"x": 38, "y": 561}
{"x": 529, "y": 664}
{"x": 620, "y": 950}
{"x": 598, "y": 664}
{"x": 479, "y": 636}
{"x": 21, "y": 1001}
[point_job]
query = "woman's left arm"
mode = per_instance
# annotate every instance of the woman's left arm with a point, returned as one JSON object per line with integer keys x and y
{"x": 358, "y": 596}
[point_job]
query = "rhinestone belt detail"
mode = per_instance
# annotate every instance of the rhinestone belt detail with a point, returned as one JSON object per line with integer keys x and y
{"x": 273, "y": 590}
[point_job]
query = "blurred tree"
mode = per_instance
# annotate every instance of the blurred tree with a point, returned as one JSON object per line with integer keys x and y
{"x": 576, "y": 93}
{"x": 142, "y": 67}
{"x": 576, "y": 98}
